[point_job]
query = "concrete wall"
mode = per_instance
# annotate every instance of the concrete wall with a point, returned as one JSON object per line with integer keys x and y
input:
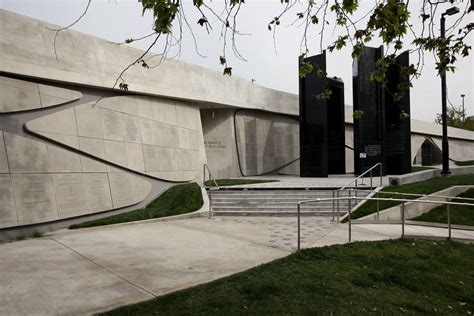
{"x": 61, "y": 157}
{"x": 247, "y": 143}
{"x": 41, "y": 182}
{"x": 265, "y": 141}
{"x": 154, "y": 136}
{"x": 87, "y": 60}
{"x": 219, "y": 140}
{"x": 19, "y": 95}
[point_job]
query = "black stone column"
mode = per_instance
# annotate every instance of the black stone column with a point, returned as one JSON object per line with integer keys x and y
{"x": 322, "y": 138}
{"x": 397, "y": 125}
{"x": 369, "y": 97}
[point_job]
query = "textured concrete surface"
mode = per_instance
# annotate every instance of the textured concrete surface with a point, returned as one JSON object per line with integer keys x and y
{"x": 99, "y": 269}
{"x": 86, "y": 60}
{"x": 139, "y": 133}
{"x": 83, "y": 272}
{"x": 47, "y": 183}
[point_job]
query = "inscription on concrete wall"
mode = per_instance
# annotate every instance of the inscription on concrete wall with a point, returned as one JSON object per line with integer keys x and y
{"x": 215, "y": 144}
{"x": 69, "y": 192}
{"x": 7, "y": 205}
{"x": 34, "y": 197}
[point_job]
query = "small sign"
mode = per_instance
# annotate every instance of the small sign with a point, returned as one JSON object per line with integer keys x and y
{"x": 362, "y": 155}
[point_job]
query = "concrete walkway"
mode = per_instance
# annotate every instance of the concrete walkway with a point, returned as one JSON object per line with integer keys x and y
{"x": 92, "y": 270}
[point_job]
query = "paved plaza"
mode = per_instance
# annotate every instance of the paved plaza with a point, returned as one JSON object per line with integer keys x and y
{"x": 93, "y": 270}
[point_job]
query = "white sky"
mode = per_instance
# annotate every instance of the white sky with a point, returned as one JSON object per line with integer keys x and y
{"x": 116, "y": 20}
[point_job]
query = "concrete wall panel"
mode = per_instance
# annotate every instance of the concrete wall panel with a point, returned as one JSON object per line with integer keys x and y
{"x": 26, "y": 155}
{"x": 34, "y": 198}
{"x": 49, "y": 183}
{"x": 3, "y": 156}
{"x": 8, "y": 215}
{"x": 151, "y": 141}
{"x": 19, "y": 95}
{"x": 265, "y": 141}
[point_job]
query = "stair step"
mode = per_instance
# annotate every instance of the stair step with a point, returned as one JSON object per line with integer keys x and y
{"x": 277, "y": 202}
{"x": 286, "y": 213}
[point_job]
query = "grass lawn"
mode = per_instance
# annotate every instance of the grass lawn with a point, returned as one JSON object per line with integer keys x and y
{"x": 424, "y": 187}
{"x": 383, "y": 277}
{"x": 420, "y": 168}
{"x": 225, "y": 182}
{"x": 465, "y": 163}
{"x": 180, "y": 199}
{"x": 460, "y": 215}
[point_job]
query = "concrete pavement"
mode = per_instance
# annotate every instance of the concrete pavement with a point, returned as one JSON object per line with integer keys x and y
{"x": 92, "y": 270}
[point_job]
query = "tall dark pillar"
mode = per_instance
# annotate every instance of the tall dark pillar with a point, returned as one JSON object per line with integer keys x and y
{"x": 369, "y": 97}
{"x": 321, "y": 123}
{"x": 397, "y": 125}
{"x": 336, "y": 127}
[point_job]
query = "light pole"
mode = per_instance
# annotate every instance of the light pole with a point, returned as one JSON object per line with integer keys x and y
{"x": 463, "y": 111}
{"x": 445, "y": 149}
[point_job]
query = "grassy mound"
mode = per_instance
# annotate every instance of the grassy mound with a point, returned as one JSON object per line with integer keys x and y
{"x": 465, "y": 163}
{"x": 424, "y": 187}
{"x": 385, "y": 278}
{"x": 180, "y": 199}
{"x": 460, "y": 215}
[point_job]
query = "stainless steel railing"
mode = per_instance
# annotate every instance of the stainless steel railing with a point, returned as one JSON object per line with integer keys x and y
{"x": 355, "y": 199}
{"x": 361, "y": 176}
{"x": 403, "y": 195}
{"x": 210, "y": 188}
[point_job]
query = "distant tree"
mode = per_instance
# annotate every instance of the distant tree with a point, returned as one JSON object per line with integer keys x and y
{"x": 455, "y": 119}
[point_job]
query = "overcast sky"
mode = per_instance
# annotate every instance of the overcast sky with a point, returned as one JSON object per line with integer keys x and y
{"x": 270, "y": 67}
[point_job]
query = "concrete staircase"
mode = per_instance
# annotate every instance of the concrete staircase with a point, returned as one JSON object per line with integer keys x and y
{"x": 281, "y": 202}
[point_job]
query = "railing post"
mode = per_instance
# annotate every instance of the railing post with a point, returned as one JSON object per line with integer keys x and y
{"x": 210, "y": 203}
{"x": 370, "y": 179}
{"x": 298, "y": 212}
{"x": 349, "y": 217}
{"x": 403, "y": 219}
{"x": 378, "y": 207}
{"x": 333, "y": 206}
{"x": 449, "y": 222}
{"x": 356, "y": 188}
{"x": 381, "y": 171}
{"x": 337, "y": 206}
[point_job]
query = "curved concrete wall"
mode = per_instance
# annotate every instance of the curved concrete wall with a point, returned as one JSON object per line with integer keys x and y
{"x": 19, "y": 95}
{"x": 157, "y": 137}
{"x": 41, "y": 183}
{"x": 265, "y": 141}
{"x": 26, "y": 48}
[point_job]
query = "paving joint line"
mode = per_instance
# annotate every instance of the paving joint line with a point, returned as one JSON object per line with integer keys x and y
{"x": 105, "y": 268}
{"x": 282, "y": 249}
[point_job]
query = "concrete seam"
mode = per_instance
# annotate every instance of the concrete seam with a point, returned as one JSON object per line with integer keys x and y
{"x": 374, "y": 231}
{"x": 233, "y": 237}
{"x": 105, "y": 268}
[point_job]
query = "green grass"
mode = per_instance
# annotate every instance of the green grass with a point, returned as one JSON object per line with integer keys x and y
{"x": 465, "y": 163}
{"x": 383, "y": 277}
{"x": 460, "y": 215}
{"x": 225, "y": 182}
{"x": 424, "y": 187}
{"x": 420, "y": 168}
{"x": 180, "y": 199}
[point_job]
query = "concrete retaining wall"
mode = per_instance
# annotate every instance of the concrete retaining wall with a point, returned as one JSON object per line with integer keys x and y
{"x": 413, "y": 209}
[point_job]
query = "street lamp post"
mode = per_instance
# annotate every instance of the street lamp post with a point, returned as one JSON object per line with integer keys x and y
{"x": 463, "y": 111}
{"x": 445, "y": 145}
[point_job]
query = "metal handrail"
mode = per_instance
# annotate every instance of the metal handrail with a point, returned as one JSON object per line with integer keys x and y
{"x": 415, "y": 194}
{"x": 353, "y": 198}
{"x": 377, "y": 193}
{"x": 379, "y": 164}
{"x": 216, "y": 188}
